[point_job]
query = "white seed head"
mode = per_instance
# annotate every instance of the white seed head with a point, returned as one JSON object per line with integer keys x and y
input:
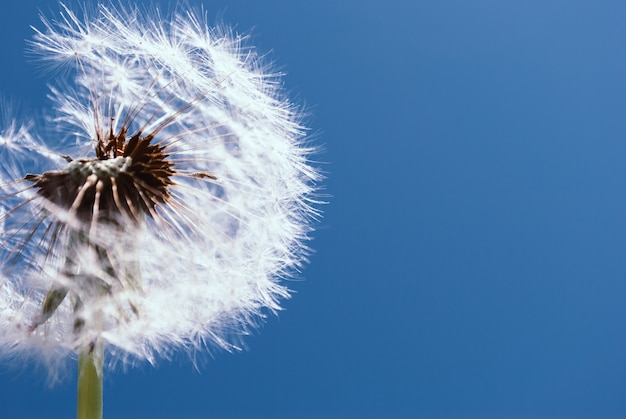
{"x": 168, "y": 198}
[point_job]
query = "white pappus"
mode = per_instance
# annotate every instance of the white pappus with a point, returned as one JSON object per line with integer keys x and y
{"x": 169, "y": 196}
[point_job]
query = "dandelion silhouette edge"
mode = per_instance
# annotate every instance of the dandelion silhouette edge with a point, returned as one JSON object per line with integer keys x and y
{"x": 169, "y": 197}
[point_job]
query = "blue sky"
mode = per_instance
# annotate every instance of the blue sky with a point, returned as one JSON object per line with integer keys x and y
{"x": 471, "y": 261}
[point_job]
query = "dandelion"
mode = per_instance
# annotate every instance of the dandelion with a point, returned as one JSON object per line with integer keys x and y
{"x": 169, "y": 195}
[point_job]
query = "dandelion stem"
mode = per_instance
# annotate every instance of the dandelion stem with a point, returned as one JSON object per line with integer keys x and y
{"x": 90, "y": 362}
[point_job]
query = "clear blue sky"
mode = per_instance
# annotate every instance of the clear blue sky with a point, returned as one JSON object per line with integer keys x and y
{"x": 472, "y": 260}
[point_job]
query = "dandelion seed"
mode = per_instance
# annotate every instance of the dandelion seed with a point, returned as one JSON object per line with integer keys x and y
{"x": 169, "y": 195}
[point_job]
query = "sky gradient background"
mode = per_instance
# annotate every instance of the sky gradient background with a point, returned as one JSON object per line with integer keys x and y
{"x": 471, "y": 261}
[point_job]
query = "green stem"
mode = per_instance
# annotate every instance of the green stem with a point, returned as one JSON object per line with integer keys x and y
{"x": 90, "y": 363}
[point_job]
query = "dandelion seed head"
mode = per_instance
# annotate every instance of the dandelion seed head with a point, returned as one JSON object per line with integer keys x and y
{"x": 169, "y": 197}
